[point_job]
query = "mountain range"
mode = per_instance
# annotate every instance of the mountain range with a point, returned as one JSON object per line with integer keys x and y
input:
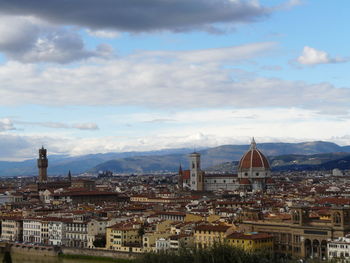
{"x": 310, "y": 155}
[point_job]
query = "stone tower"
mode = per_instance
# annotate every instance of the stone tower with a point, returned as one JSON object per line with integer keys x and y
{"x": 180, "y": 178}
{"x": 42, "y": 165}
{"x": 196, "y": 174}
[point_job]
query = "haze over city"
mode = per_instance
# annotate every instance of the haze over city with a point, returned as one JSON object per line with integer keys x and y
{"x": 80, "y": 78}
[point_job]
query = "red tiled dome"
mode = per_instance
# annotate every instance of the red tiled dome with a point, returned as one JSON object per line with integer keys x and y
{"x": 253, "y": 159}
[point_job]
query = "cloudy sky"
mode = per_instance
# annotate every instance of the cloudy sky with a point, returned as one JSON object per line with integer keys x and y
{"x": 89, "y": 76}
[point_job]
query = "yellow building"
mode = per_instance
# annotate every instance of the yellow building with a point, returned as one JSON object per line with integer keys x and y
{"x": 150, "y": 238}
{"x": 193, "y": 218}
{"x": 251, "y": 241}
{"x": 122, "y": 237}
{"x": 207, "y": 235}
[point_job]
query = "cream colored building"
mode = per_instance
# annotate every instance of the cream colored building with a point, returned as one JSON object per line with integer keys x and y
{"x": 96, "y": 228}
{"x": 124, "y": 237}
{"x": 11, "y": 229}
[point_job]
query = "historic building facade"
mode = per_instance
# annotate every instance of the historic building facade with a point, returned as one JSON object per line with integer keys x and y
{"x": 253, "y": 174}
{"x": 302, "y": 236}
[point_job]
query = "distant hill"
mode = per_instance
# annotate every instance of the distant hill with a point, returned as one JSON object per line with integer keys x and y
{"x": 61, "y": 164}
{"x": 296, "y": 162}
{"x": 214, "y": 157}
{"x": 168, "y": 160}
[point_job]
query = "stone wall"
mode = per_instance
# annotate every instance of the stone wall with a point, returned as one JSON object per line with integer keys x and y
{"x": 35, "y": 251}
{"x": 97, "y": 253}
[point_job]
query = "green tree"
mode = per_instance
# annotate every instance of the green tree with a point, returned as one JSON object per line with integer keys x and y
{"x": 100, "y": 241}
{"x": 7, "y": 257}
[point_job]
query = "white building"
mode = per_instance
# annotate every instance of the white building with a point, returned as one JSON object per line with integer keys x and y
{"x": 76, "y": 234}
{"x": 57, "y": 231}
{"x": 339, "y": 248}
{"x": 32, "y": 230}
{"x": 162, "y": 244}
{"x": 216, "y": 182}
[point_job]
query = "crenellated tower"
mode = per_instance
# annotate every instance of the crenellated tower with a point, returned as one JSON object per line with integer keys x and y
{"x": 43, "y": 163}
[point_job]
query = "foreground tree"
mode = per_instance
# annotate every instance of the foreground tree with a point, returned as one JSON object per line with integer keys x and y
{"x": 219, "y": 253}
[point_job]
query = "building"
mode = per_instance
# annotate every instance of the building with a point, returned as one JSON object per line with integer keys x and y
{"x": 57, "y": 231}
{"x": 42, "y": 165}
{"x": 254, "y": 170}
{"x": 207, "y": 235}
{"x": 124, "y": 237}
{"x": 149, "y": 241}
{"x": 339, "y": 249}
{"x": 12, "y": 229}
{"x": 251, "y": 241}
{"x": 32, "y": 230}
{"x": 196, "y": 174}
{"x": 88, "y": 185}
{"x": 76, "y": 234}
{"x": 96, "y": 229}
{"x": 180, "y": 241}
{"x": 95, "y": 197}
{"x": 253, "y": 174}
{"x": 162, "y": 244}
{"x": 303, "y": 236}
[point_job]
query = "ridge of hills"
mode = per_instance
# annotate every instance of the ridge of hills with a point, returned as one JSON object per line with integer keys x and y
{"x": 281, "y": 156}
{"x": 221, "y": 155}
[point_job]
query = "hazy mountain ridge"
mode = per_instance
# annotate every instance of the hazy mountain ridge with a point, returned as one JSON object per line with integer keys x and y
{"x": 215, "y": 157}
{"x": 61, "y": 164}
{"x": 169, "y": 159}
{"x": 296, "y": 162}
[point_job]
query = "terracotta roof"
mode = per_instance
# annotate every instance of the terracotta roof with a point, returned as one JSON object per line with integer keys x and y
{"x": 244, "y": 181}
{"x": 249, "y": 236}
{"x": 213, "y": 228}
{"x": 186, "y": 174}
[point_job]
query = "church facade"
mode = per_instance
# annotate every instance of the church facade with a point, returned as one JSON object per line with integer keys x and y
{"x": 253, "y": 174}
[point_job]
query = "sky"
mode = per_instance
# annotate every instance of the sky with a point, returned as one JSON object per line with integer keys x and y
{"x": 97, "y": 76}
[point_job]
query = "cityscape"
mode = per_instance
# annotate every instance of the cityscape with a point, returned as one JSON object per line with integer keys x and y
{"x": 293, "y": 214}
{"x": 174, "y": 131}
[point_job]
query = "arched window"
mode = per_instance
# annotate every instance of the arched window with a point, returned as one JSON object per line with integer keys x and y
{"x": 337, "y": 218}
{"x": 296, "y": 216}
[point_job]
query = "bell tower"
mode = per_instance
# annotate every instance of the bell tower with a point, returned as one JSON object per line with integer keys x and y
{"x": 42, "y": 165}
{"x": 196, "y": 174}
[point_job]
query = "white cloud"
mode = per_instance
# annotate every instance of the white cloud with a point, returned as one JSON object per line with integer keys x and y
{"x": 61, "y": 125}
{"x": 312, "y": 56}
{"x": 103, "y": 33}
{"x": 6, "y": 125}
{"x": 172, "y": 79}
{"x": 85, "y": 126}
{"x": 199, "y": 128}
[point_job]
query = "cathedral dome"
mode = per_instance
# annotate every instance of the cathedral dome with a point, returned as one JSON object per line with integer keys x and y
{"x": 253, "y": 159}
